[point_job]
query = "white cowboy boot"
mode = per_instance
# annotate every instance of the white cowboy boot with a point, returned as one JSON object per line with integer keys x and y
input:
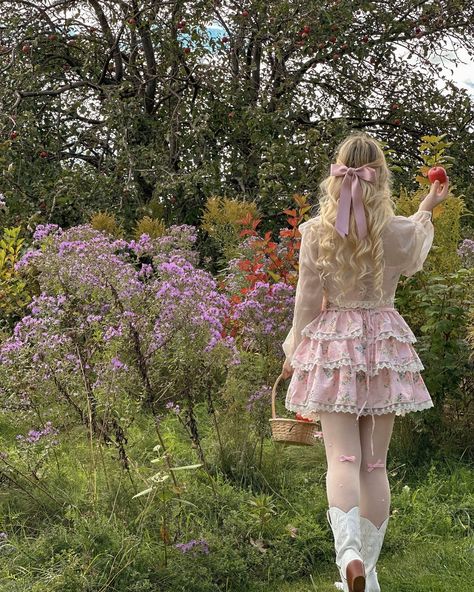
{"x": 372, "y": 540}
{"x": 347, "y": 541}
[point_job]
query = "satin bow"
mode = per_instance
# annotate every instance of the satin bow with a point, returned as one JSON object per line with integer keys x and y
{"x": 349, "y": 458}
{"x": 351, "y": 194}
{"x": 379, "y": 463}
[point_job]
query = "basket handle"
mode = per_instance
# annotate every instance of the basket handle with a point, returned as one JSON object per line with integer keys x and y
{"x": 274, "y": 395}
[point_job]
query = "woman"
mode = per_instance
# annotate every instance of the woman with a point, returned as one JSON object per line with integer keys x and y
{"x": 349, "y": 352}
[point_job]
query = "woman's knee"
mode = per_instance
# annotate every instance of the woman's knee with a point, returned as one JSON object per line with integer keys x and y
{"x": 373, "y": 465}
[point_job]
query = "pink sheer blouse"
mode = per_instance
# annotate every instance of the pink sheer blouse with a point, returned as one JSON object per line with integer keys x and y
{"x": 406, "y": 242}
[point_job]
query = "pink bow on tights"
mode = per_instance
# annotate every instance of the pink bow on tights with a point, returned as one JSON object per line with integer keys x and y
{"x": 349, "y": 458}
{"x": 351, "y": 195}
{"x": 379, "y": 463}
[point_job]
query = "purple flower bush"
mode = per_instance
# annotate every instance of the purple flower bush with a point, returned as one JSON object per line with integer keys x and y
{"x": 110, "y": 320}
{"x": 264, "y": 316}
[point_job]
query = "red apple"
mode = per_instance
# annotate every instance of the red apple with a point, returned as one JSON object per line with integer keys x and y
{"x": 365, "y": 39}
{"x": 396, "y": 121}
{"x": 336, "y": 56}
{"x": 437, "y": 173}
{"x": 43, "y": 154}
{"x": 344, "y": 46}
{"x": 307, "y": 29}
{"x": 303, "y": 34}
{"x": 132, "y": 21}
{"x": 299, "y": 417}
{"x": 181, "y": 24}
{"x": 26, "y": 48}
{"x": 187, "y": 50}
{"x": 245, "y": 13}
{"x": 225, "y": 40}
{"x": 13, "y": 135}
{"x": 333, "y": 39}
{"x": 395, "y": 106}
{"x": 52, "y": 37}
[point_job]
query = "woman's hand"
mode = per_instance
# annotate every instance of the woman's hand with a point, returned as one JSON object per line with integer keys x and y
{"x": 287, "y": 370}
{"x": 438, "y": 192}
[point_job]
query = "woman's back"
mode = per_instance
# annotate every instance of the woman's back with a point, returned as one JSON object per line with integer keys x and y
{"x": 406, "y": 243}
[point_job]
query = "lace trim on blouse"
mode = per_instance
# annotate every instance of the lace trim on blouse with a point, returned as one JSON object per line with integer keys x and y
{"x": 362, "y": 304}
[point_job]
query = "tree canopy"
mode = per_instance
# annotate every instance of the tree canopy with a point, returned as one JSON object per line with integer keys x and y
{"x": 147, "y": 107}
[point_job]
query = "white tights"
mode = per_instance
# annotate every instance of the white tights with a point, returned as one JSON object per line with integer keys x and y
{"x": 350, "y": 479}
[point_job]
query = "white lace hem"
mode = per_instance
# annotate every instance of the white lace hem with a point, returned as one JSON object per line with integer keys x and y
{"x": 399, "y": 408}
{"x": 325, "y": 336}
{"x": 411, "y": 366}
{"x": 361, "y": 304}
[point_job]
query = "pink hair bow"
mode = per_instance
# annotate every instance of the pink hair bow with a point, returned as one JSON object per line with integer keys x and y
{"x": 349, "y": 458}
{"x": 351, "y": 194}
{"x": 379, "y": 463}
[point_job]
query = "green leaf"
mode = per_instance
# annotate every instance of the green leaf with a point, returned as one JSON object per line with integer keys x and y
{"x": 149, "y": 490}
{"x": 185, "y": 467}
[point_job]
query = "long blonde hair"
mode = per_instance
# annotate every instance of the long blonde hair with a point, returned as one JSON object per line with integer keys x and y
{"x": 348, "y": 260}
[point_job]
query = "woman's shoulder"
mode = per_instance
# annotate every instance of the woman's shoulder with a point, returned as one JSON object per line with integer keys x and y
{"x": 399, "y": 224}
{"x": 310, "y": 224}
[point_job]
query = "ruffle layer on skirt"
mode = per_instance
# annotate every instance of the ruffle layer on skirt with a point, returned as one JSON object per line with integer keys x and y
{"x": 358, "y": 361}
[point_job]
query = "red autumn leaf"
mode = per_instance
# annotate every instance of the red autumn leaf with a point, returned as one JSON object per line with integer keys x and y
{"x": 244, "y": 265}
{"x": 246, "y": 220}
{"x": 247, "y": 233}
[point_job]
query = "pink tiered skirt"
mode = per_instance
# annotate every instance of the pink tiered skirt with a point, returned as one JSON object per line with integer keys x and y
{"x": 359, "y": 361}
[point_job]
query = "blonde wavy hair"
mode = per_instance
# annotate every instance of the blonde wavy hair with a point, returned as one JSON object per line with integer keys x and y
{"x": 349, "y": 260}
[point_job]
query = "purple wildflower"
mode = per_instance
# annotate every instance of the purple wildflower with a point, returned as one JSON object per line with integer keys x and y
{"x": 175, "y": 408}
{"x": 35, "y": 436}
{"x": 193, "y": 544}
{"x": 118, "y": 365}
{"x": 260, "y": 397}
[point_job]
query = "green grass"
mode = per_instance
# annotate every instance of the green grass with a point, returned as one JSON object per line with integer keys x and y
{"x": 442, "y": 566}
{"x": 91, "y": 536}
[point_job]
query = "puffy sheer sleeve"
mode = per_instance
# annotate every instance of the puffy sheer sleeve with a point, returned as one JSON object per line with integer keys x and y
{"x": 309, "y": 290}
{"x": 419, "y": 242}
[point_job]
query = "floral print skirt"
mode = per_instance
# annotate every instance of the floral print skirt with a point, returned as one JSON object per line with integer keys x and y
{"x": 359, "y": 361}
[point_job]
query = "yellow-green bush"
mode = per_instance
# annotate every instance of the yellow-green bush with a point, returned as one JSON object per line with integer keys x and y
{"x": 151, "y": 226}
{"x": 443, "y": 257}
{"x": 105, "y": 222}
{"x": 14, "y": 294}
{"x": 221, "y": 220}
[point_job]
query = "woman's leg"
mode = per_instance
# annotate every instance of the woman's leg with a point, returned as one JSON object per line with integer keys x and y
{"x": 343, "y": 453}
{"x": 374, "y": 485}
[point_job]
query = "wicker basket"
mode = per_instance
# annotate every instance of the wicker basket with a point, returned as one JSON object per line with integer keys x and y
{"x": 292, "y": 431}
